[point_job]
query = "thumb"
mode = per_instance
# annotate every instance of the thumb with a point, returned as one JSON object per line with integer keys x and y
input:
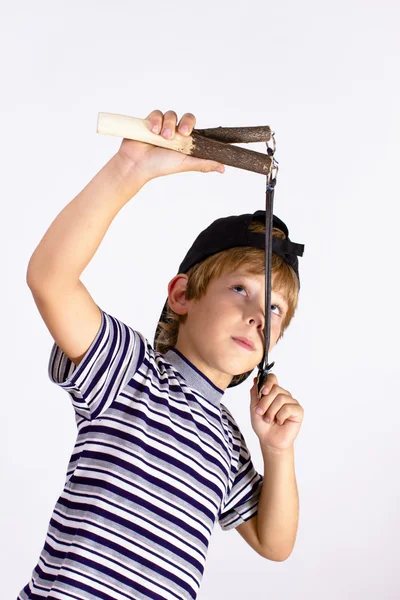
{"x": 254, "y": 394}
{"x": 204, "y": 165}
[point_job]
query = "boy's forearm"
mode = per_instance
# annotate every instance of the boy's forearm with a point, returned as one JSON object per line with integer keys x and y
{"x": 74, "y": 236}
{"x": 278, "y": 505}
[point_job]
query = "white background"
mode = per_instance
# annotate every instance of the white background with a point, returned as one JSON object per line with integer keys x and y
{"x": 325, "y": 76}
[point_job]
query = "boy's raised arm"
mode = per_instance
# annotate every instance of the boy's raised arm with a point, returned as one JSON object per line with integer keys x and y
{"x": 69, "y": 244}
{"x": 68, "y": 310}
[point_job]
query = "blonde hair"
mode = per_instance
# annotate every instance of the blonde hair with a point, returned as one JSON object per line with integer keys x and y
{"x": 284, "y": 280}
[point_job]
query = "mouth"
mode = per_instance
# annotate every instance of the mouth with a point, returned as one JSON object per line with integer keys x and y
{"x": 245, "y": 343}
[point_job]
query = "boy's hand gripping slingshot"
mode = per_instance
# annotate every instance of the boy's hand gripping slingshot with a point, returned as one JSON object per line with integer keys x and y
{"x": 215, "y": 144}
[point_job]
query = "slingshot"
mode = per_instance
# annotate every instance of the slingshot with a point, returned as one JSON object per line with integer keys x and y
{"x": 215, "y": 144}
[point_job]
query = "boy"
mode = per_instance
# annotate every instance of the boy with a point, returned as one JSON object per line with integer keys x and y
{"x": 158, "y": 457}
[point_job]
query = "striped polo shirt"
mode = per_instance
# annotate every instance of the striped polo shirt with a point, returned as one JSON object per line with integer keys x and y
{"x": 158, "y": 459}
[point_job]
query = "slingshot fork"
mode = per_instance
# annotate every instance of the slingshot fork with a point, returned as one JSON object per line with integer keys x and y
{"x": 212, "y": 144}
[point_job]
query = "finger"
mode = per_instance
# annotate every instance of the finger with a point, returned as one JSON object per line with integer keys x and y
{"x": 155, "y": 121}
{"x": 268, "y": 395}
{"x": 266, "y": 402}
{"x": 261, "y": 405}
{"x": 169, "y": 124}
{"x": 271, "y": 380}
{"x": 274, "y": 389}
{"x": 275, "y": 407}
{"x": 288, "y": 411}
{"x": 186, "y": 124}
{"x": 256, "y": 401}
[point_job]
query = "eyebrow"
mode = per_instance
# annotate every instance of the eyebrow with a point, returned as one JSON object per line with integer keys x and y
{"x": 282, "y": 298}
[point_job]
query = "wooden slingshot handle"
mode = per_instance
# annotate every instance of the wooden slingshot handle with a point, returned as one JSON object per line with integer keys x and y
{"x": 211, "y": 144}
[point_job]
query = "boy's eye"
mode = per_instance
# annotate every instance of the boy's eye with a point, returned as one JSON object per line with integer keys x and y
{"x": 277, "y": 307}
{"x": 236, "y": 287}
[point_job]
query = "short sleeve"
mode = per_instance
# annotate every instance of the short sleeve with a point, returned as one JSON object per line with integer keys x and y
{"x": 114, "y": 355}
{"x": 242, "y": 501}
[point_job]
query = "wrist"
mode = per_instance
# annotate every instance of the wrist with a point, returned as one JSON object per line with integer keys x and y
{"x": 129, "y": 170}
{"x": 275, "y": 453}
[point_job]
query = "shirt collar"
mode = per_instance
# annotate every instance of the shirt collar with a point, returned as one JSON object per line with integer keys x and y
{"x": 195, "y": 378}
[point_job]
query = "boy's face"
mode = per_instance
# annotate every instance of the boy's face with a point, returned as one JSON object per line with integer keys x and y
{"x": 233, "y": 307}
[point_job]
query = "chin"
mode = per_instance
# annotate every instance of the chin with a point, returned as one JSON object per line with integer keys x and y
{"x": 240, "y": 369}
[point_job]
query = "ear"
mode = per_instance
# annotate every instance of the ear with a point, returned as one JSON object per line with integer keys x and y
{"x": 177, "y": 294}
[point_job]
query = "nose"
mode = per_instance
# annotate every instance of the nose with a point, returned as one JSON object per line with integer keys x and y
{"x": 258, "y": 317}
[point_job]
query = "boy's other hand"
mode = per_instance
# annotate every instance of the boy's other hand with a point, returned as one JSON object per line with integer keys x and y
{"x": 276, "y": 417}
{"x": 153, "y": 161}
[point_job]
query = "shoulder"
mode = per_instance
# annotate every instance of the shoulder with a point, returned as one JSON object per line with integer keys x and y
{"x": 155, "y": 363}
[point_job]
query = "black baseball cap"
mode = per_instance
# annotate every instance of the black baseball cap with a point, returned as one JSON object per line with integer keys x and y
{"x": 230, "y": 232}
